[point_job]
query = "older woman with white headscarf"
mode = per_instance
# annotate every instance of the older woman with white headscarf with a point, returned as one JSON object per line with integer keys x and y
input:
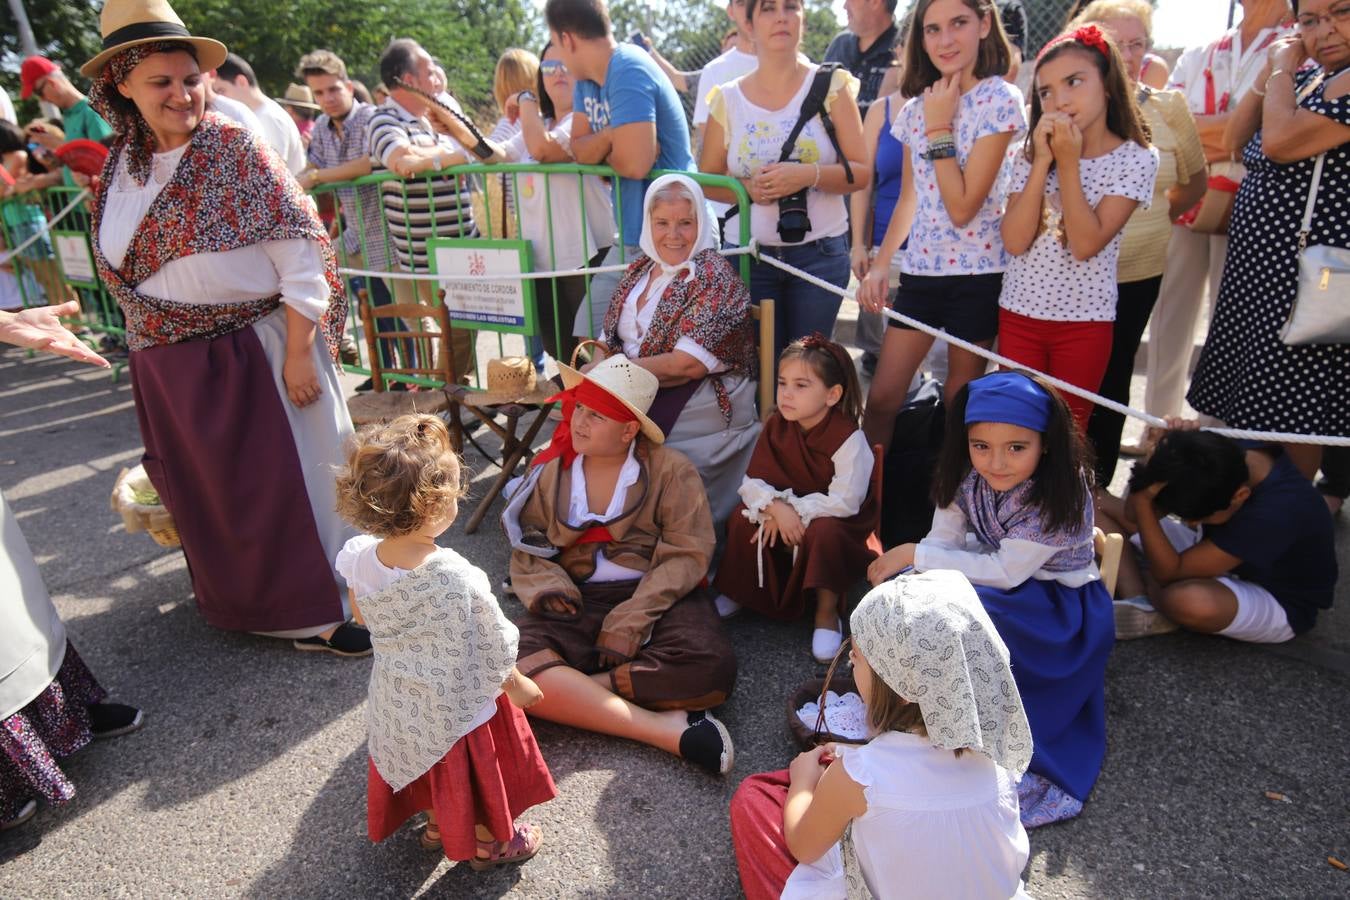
{"x": 682, "y": 313}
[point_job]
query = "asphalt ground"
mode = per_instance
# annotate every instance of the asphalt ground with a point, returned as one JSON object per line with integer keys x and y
{"x": 248, "y": 779}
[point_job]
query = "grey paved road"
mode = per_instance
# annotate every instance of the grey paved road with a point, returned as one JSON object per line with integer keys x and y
{"x": 248, "y": 779}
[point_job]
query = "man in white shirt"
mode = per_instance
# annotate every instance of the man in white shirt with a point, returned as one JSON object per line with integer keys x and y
{"x": 1213, "y": 77}
{"x": 7, "y": 107}
{"x": 235, "y": 80}
{"x": 230, "y": 109}
{"x": 739, "y": 60}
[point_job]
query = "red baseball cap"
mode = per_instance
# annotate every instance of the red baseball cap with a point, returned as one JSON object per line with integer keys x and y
{"x": 34, "y": 69}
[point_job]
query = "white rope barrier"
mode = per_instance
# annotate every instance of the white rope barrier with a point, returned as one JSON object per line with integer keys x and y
{"x": 44, "y": 228}
{"x": 1237, "y": 433}
{"x": 523, "y": 276}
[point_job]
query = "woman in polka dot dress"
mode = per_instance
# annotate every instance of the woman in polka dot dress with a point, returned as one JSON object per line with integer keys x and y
{"x": 1087, "y": 166}
{"x": 1247, "y": 376}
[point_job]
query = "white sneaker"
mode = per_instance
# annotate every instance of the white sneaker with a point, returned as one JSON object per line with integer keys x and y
{"x": 825, "y": 643}
{"x": 726, "y": 607}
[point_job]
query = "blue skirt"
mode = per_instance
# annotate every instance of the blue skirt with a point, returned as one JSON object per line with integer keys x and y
{"x": 1058, "y": 641}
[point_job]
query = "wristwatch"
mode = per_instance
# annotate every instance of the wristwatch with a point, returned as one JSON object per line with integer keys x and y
{"x": 527, "y": 95}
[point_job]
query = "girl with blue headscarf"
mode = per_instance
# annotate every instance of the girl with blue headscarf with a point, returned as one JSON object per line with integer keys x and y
{"x": 1013, "y": 490}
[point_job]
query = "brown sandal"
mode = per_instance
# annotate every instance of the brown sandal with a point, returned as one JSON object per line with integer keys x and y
{"x": 430, "y": 838}
{"x": 523, "y": 845}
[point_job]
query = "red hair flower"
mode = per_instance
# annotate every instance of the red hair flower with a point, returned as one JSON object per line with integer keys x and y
{"x": 1089, "y": 36}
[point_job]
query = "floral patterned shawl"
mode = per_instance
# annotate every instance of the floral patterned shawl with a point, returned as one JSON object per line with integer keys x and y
{"x": 712, "y": 309}
{"x": 996, "y": 517}
{"x": 229, "y": 191}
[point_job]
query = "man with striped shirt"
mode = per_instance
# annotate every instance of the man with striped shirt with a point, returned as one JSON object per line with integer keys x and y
{"x": 411, "y": 138}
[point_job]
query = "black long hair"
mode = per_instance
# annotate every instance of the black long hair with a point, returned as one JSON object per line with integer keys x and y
{"x": 1063, "y": 478}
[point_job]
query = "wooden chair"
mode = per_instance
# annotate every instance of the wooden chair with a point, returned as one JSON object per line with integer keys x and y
{"x": 762, "y": 313}
{"x": 380, "y": 405}
{"x": 514, "y": 447}
{"x": 1108, "y": 548}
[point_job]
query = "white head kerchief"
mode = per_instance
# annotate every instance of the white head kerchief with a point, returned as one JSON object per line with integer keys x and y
{"x": 662, "y": 273}
{"x": 928, "y": 637}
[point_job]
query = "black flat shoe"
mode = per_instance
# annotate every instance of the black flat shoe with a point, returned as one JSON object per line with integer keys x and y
{"x": 110, "y": 720}
{"x": 707, "y": 744}
{"x": 349, "y": 639}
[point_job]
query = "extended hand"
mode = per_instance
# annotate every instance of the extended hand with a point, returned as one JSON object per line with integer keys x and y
{"x": 39, "y": 328}
{"x": 523, "y": 691}
{"x": 890, "y": 563}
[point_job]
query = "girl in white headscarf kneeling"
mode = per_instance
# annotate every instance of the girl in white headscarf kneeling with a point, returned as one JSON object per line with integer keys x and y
{"x": 928, "y": 807}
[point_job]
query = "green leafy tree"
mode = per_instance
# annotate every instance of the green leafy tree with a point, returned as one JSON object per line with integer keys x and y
{"x": 66, "y": 32}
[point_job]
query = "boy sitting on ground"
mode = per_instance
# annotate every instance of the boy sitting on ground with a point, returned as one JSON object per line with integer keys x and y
{"x": 1249, "y": 554}
{"x": 611, "y": 540}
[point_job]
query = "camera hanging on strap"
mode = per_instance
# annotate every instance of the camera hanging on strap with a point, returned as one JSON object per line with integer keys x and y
{"x": 793, "y": 222}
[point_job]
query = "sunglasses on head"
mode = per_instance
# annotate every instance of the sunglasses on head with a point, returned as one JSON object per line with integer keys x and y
{"x": 553, "y": 67}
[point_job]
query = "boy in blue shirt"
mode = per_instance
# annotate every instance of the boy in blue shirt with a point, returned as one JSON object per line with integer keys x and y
{"x": 627, "y": 115}
{"x": 1253, "y": 556}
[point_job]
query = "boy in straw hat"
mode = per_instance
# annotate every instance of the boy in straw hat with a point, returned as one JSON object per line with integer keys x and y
{"x": 611, "y": 540}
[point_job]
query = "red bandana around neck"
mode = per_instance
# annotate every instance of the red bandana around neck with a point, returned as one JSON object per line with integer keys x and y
{"x": 592, "y": 396}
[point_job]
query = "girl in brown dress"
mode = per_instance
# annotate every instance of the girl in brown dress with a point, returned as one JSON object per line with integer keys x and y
{"x": 806, "y": 526}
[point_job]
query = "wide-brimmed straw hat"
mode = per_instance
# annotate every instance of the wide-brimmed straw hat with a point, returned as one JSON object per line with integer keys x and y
{"x": 127, "y": 23}
{"x": 299, "y": 96}
{"x": 511, "y": 379}
{"x": 625, "y": 381}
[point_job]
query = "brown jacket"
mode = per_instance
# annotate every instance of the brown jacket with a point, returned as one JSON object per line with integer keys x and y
{"x": 665, "y": 531}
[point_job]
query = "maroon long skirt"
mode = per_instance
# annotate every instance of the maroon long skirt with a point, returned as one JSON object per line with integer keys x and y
{"x": 490, "y": 776}
{"x": 220, "y": 452}
{"x": 834, "y": 555}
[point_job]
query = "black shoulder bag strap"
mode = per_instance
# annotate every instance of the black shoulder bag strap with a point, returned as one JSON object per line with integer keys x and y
{"x": 812, "y": 105}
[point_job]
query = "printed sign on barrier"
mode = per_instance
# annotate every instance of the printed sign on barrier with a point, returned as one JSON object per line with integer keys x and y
{"x": 77, "y": 263}
{"x": 504, "y": 306}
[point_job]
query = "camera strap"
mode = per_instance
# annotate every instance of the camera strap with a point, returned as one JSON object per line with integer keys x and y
{"x": 814, "y": 105}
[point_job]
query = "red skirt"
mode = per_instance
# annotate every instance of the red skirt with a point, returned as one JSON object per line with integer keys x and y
{"x": 492, "y": 775}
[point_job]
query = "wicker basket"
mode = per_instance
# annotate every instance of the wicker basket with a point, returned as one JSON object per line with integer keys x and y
{"x": 812, "y": 689}
{"x": 154, "y": 520}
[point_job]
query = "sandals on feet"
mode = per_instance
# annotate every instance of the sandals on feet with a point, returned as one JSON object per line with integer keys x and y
{"x": 430, "y": 838}
{"x": 524, "y": 844}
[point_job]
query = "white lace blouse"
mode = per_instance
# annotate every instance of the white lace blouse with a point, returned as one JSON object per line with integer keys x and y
{"x": 292, "y": 268}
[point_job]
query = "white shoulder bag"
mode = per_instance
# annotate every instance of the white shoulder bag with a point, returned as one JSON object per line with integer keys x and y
{"x": 1321, "y": 311}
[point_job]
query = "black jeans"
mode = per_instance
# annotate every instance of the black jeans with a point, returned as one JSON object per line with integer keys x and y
{"x": 1134, "y": 304}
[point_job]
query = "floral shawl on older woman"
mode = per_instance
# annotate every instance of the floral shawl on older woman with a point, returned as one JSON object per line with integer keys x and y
{"x": 703, "y": 302}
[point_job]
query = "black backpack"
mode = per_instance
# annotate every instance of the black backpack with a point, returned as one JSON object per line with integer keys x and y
{"x": 907, "y": 471}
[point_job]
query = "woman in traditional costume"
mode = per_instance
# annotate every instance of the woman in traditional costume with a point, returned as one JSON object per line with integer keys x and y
{"x": 682, "y": 313}
{"x": 234, "y": 310}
